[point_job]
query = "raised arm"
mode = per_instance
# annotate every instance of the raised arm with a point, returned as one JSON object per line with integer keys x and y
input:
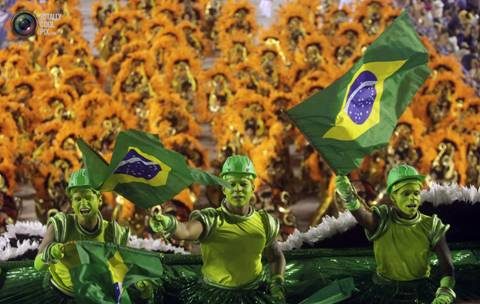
{"x": 354, "y": 203}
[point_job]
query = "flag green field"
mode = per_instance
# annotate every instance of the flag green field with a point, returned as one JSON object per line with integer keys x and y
{"x": 107, "y": 270}
{"x": 143, "y": 170}
{"x": 358, "y": 113}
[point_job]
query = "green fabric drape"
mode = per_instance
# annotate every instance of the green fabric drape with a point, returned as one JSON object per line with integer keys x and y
{"x": 308, "y": 270}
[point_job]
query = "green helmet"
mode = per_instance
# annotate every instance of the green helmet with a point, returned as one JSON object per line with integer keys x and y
{"x": 402, "y": 173}
{"x": 78, "y": 179}
{"x": 239, "y": 164}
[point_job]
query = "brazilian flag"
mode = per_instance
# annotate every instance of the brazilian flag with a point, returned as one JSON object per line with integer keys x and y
{"x": 142, "y": 170}
{"x": 106, "y": 271}
{"x": 358, "y": 112}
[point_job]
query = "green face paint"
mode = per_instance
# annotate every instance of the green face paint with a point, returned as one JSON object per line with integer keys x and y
{"x": 407, "y": 199}
{"x": 85, "y": 203}
{"x": 242, "y": 189}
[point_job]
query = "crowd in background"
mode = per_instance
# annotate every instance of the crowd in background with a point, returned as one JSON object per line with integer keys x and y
{"x": 454, "y": 28}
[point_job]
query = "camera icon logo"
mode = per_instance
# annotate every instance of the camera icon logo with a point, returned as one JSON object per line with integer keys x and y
{"x": 24, "y": 24}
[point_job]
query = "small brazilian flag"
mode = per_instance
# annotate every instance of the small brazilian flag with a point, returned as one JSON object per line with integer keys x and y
{"x": 107, "y": 272}
{"x": 142, "y": 170}
{"x": 358, "y": 112}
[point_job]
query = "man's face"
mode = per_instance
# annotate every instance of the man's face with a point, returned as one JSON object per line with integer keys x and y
{"x": 242, "y": 189}
{"x": 407, "y": 199}
{"x": 85, "y": 202}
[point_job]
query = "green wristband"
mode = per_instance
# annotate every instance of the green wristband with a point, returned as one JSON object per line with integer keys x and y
{"x": 447, "y": 283}
{"x": 445, "y": 291}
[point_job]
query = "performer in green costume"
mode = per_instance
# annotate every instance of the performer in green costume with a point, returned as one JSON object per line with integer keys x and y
{"x": 403, "y": 240}
{"x": 57, "y": 250}
{"x": 232, "y": 239}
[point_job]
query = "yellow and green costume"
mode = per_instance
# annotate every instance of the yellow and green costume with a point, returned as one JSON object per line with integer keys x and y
{"x": 231, "y": 248}
{"x": 28, "y": 285}
{"x": 402, "y": 249}
{"x": 67, "y": 229}
{"x": 408, "y": 241}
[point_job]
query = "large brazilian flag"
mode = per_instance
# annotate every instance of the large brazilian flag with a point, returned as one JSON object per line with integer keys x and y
{"x": 358, "y": 112}
{"x": 142, "y": 169}
{"x": 103, "y": 272}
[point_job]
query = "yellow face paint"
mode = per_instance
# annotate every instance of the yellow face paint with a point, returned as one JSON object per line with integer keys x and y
{"x": 407, "y": 198}
{"x": 85, "y": 202}
{"x": 241, "y": 191}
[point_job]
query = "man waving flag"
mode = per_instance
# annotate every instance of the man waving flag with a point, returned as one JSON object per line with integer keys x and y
{"x": 143, "y": 170}
{"x": 358, "y": 112}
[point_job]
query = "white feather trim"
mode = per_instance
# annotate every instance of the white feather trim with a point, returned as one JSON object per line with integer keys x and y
{"x": 7, "y": 252}
{"x": 4, "y": 242}
{"x": 154, "y": 245}
{"x": 27, "y": 228}
{"x": 329, "y": 227}
{"x": 294, "y": 240}
{"x": 446, "y": 194}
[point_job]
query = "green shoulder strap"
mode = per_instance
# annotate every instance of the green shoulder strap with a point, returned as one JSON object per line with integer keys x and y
{"x": 271, "y": 225}
{"x": 383, "y": 212}
{"x": 438, "y": 230}
{"x": 59, "y": 223}
{"x": 117, "y": 234}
